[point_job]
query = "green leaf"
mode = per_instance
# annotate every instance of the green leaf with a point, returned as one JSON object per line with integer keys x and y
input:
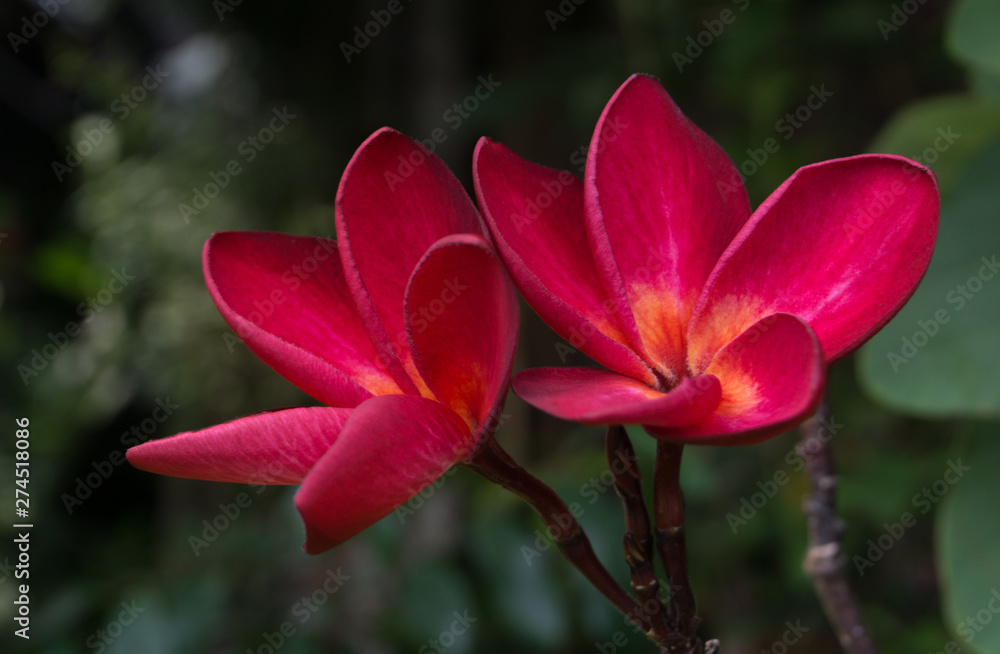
{"x": 938, "y": 356}
{"x": 968, "y": 557}
{"x": 985, "y": 84}
{"x": 971, "y": 35}
{"x": 942, "y": 133}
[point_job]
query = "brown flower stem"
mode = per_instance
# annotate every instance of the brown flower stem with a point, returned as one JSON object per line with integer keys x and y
{"x": 668, "y": 508}
{"x": 493, "y": 463}
{"x": 824, "y": 561}
{"x": 638, "y": 542}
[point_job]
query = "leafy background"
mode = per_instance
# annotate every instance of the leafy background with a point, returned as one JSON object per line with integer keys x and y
{"x": 899, "y": 72}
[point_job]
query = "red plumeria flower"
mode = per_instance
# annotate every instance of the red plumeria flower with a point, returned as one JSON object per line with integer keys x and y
{"x": 716, "y": 324}
{"x": 407, "y": 326}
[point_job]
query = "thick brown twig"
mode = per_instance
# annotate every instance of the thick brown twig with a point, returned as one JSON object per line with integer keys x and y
{"x": 824, "y": 561}
{"x": 638, "y": 542}
{"x": 668, "y": 507}
{"x": 493, "y": 463}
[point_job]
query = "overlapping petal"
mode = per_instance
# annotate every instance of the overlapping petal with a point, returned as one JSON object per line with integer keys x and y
{"x": 602, "y": 397}
{"x": 772, "y": 377}
{"x": 275, "y": 447}
{"x": 462, "y": 317}
{"x": 841, "y": 243}
{"x": 536, "y": 217}
{"x": 395, "y": 200}
{"x": 391, "y": 448}
{"x": 286, "y": 297}
{"x": 692, "y": 283}
{"x": 410, "y": 320}
{"x": 657, "y": 215}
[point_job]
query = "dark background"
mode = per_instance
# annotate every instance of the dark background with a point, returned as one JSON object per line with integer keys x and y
{"x": 68, "y": 231}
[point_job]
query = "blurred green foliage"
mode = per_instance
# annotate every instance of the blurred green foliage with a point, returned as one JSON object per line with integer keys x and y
{"x": 967, "y": 551}
{"x": 468, "y": 547}
{"x": 938, "y": 356}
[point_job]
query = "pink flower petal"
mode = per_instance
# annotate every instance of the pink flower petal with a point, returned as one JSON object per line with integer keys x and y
{"x": 772, "y": 378}
{"x": 463, "y": 317}
{"x": 841, "y": 243}
{"x": 275, "y": 447}
{"x": 391, "y": 448}
{"x": 600, "y": 397}
{"x": 663, "y": 201}
{"x": 395, "y": 200}
{"x": 286, "y": 297}
{"x": 536, "y": 217}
